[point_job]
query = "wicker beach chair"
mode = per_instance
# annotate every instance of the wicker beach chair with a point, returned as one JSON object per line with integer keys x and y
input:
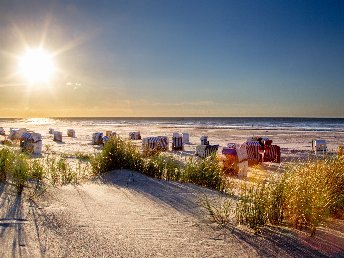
{"x": 31, "y": 143}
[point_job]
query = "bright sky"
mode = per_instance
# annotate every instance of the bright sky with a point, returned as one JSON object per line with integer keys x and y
{"x": 175, "y": 58}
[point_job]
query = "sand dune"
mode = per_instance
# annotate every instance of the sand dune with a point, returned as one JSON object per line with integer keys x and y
{"x": 126, "y": 214}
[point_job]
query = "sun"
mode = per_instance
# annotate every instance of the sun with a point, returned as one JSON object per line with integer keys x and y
{"x": 36, "y": 66}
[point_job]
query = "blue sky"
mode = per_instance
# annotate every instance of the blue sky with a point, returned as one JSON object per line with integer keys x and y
{"x": 177, "y": 58}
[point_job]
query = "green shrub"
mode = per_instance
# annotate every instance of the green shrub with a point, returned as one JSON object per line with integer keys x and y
{"x": 251, "y": 208}
{"x": 36, "y": 170}
{"x": 4, "y": 156}
{"x": 163, "y": 167}
{"x": 19, "y": 171}
{"x": 117, "y": 154}
{"x": 206, "y": 172}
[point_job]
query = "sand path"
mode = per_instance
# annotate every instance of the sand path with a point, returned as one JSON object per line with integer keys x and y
{"x": 126, "y": 214}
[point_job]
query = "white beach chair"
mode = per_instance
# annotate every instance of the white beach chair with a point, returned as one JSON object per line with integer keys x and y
{"x": 319, "y": 146}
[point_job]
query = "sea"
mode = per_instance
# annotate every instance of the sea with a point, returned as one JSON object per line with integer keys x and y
{"x": 239, "y": 123}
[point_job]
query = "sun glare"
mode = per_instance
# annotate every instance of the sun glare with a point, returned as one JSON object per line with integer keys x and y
{"x": 36, "y": 66}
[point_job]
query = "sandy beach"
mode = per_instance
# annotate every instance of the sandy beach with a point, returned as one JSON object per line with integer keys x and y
{"x": 125, "y": 214}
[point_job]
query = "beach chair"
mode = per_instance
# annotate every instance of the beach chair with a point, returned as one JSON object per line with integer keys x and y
{"x": 253, "y": 155}
{"x": 177, "y": 142}
{"x": 134, "y": 136}
{"x": 204, "y": 151}
{"x": 340, "y": 150}
{"x": 319, "y": 146}
{"x": 51, "y": 131}
{"x": 16, "y": 133}
{"x": 234, "y": 160}
{"x": 110, "y": 134}
{"x": 97, "y": 138}
{"x": 71, "y": 133}
{"x": 152, "y": 145}
{"x": 204, "y": 140}
{"x": 57, "y": 136}
{"x": 186, "y": 138}
{"x": 31, "y": 143}
{"x": 105, "y": 139}
{"x": 2, "y": 131}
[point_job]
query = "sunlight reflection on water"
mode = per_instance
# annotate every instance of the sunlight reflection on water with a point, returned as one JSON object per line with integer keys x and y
{"x": 40, "y": 121}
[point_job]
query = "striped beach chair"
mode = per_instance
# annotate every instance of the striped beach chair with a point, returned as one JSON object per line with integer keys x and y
{"x": 204, "y": 151}
{"x": 177, "y": 142}
{"x": 253, "y": 156}
{"x": 152, "y": 145}
{"x": 272, "y": 153}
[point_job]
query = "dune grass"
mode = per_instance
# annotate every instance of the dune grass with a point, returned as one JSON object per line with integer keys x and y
{"x": 304, "y": 197}
{"x": 118, "y": 153}
{"x": 21, "y": 170}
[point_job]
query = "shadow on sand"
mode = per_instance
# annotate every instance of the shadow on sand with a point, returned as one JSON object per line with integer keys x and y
{"x": 270, "y": 242}
{"x": 16, "y": 215}
{"x": 12, "y": 221}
